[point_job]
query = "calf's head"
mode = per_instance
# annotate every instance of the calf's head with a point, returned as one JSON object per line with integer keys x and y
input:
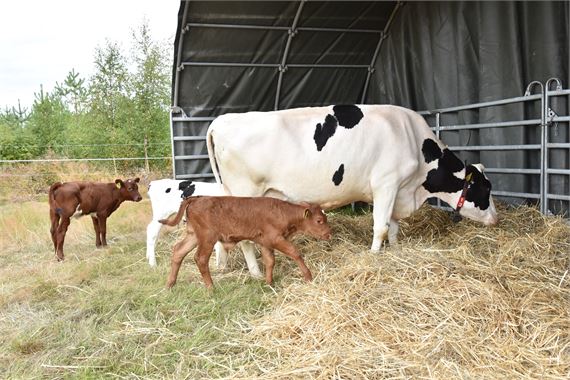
{"x": 129, "y": 189}
{"x": 315, "y": 223}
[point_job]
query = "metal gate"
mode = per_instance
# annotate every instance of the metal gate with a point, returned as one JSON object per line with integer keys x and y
{"x": 546, "y": 125}
{"x": 545, "y": 159}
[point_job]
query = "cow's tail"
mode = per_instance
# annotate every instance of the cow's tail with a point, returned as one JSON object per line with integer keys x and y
{"x": 212, "y": 155}
{"x": 179, "y": 215}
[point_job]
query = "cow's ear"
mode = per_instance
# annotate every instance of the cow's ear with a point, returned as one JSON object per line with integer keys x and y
{"x": 137, "y": 180}
{"x": 307, "y": 214}
{"x": 119, "y": 183}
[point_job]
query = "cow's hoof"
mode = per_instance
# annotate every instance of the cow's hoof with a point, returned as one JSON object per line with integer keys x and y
{"x": 257, "y": 275}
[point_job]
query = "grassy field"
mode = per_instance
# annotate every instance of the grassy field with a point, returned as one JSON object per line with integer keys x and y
{"x": 451, "y": 301}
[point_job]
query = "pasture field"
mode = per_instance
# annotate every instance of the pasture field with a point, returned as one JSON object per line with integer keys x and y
{"x": 450, "y": 301}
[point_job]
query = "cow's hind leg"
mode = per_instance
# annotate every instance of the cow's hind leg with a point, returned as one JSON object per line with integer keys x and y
{"x": 384, "y": 199}
{"x": 393, "y": 232}
{"x": 179, "y": 252}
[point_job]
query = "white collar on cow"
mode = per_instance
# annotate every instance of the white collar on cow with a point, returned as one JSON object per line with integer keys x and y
{"x": 467, "y": 182}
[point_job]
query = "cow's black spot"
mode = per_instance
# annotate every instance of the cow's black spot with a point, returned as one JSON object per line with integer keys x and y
{"x": 325, "y": 131}
{"x": 337, "y": 177}
{"x": 348, "y": 115}
{"x": 167, "y": 190}
{"x": 442, "y": 179}
{"x": 187, "y": 188}
{"x": 480, "y": 189}
{"x": 431, "y": 150}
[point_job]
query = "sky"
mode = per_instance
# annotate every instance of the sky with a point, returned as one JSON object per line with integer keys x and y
{"x": 43, "y": 40}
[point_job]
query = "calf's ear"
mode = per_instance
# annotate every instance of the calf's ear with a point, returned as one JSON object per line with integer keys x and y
{"x": 307, "y": 214}
{"x": 137, "y": 180}
{"x": 119, "y": 183}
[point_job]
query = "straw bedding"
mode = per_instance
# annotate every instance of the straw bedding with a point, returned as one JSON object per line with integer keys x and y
{"x": 450, "y": 300}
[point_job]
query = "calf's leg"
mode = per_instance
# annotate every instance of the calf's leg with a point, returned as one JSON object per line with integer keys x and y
{"x": 269, "y": 261}
{"x": 54, "y": 218}
{"x": 103, "y": 229}
{"x": 60, "y": 237}
{"x": 289, "y": 249}
{"x": 152, "y": 231}
{"x": 179, "y": 252}
{"x": 202, "y": 259}
{"x": 97, "y": 231}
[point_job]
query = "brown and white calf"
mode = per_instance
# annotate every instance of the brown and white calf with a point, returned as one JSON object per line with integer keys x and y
{"x": 266, "y": 221}
{"x": 76, "y": 199}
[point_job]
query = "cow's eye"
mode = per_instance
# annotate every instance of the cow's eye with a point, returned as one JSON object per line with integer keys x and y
{"x": 130, "y": 189}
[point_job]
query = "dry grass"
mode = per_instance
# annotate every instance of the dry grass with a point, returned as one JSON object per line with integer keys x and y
{"x": 450, "y": 301}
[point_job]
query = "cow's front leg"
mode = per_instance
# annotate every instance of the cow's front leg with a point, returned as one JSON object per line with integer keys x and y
{"x": 221, "y": 256}
{"x": 97, "y": 229}
{"x": 248, "y": 249}
{"x": 384, "y": 199}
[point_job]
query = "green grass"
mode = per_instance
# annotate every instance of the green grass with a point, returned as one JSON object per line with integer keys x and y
{"x": 104, "y": 313}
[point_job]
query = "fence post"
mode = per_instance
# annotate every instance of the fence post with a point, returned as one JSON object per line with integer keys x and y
{"x": 146, "y": 166}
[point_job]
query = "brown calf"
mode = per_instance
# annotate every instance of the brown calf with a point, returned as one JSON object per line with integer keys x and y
{"x": 81, "y": 198}
{"x": 268, "y": 222}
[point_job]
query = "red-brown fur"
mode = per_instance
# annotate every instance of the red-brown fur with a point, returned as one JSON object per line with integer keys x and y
{"x": 98, "y": 199}
{"x": 266, "y": 221}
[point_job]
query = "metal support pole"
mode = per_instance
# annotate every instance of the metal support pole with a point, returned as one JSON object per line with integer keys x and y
{"x": 377, "y": 51}
{"x": 283, "y": 66}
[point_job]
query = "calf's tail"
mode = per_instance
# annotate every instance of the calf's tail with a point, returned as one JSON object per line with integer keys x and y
{"x": 51, "y": 194}
{"x": 181, "y": 212}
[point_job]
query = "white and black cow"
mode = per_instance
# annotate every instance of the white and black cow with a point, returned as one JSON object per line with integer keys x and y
{"x": 336, "y": 155}
{"x": 165, "y": 197}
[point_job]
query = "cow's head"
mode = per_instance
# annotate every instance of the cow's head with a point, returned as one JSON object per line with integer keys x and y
{"x": 465, "y": 188}
{"x": 129, "y": 189}
{"x": 315, "y": 222}
{"x": 478, "y": 203}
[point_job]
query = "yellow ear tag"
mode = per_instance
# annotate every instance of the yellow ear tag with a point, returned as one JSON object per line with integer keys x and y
{"x": 307, "y": 214}
{"x": 468, "y": 177}
{"x": 118, "y": 184}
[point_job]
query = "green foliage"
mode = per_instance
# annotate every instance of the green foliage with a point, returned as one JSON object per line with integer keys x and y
{"x": 120, "y": 111}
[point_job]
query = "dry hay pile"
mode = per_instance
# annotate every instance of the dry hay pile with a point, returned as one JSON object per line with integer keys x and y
{"x": 451, "y": 300}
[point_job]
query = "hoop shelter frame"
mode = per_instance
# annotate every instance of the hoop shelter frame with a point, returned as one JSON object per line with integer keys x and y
{"x": 465, "y": 64}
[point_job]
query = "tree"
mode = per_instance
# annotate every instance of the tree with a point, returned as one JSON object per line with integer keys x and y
{"x": 16, "y": 143}
{"x": 151, "y": 86}
{"x": 47, "y": 121}
{"x": 72, "y": 92}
